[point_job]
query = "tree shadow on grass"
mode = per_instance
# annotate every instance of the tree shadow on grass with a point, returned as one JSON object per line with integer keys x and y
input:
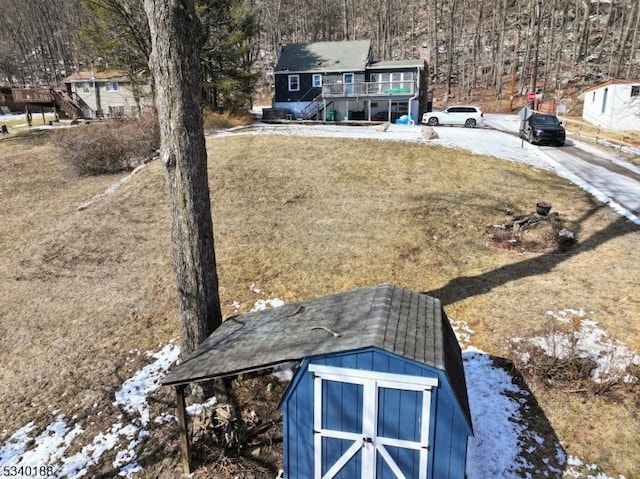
{"x": 464, "y": 287}
{"x": 27, "y": 139}
{"x": 511, "y": 430}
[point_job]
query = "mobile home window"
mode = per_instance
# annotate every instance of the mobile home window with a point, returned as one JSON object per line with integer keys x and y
{"x": 317, "y": 80}
{"x": 86, "y": 86}
{"x": 635, "y": 90}
{"x": 593, "y": 97}
{"x": 294, "y": 82}
{"x": 604, "y": 100}
{"x": 112, "y": 86}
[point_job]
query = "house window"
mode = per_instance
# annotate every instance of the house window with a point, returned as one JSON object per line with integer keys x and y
{"x": 86, "y": 86}
{"x": 116, "y": 111}
{"x": 402, "y": 81}
{"x": 112, "y": 86}
{"x": 401, "y": 107}
{"x": 635, "y": 90}
{"x": 593, "y": 97}
{"x": 317, "y": 80}
{"x": 294, "y": 82}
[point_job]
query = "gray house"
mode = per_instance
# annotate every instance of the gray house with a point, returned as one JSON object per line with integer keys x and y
{"x": 379, "y": 391}
{"x": 108, "y": 94}
{"x": 341, "y": 81}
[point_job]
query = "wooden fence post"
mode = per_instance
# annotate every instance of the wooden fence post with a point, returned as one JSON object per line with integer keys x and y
{"x": 184, "y": 430}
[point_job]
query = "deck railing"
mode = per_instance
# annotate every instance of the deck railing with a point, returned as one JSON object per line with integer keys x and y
{"x": 369, "y": 89}
{"x": 32, "y": 95}
{"x": 313, "y": 108}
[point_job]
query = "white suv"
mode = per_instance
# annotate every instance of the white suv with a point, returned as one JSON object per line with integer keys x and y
{"x": 466, "y": 115}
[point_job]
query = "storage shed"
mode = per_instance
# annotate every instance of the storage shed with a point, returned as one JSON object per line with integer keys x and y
{"x": 379, "y": 392}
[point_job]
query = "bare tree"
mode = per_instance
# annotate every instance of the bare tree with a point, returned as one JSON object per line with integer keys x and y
{"x": 632, "y": 49}
{"x": 36, "y": 40}
{"x": 452, "y": 43}
{"x": 176, "y": 39}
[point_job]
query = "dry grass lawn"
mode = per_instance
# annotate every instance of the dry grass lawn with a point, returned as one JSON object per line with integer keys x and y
{"x": 298, "y": 218}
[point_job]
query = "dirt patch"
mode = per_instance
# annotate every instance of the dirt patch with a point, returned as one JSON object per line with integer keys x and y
{"x": 549, "y": 232}
{"x": 261, "y": 426}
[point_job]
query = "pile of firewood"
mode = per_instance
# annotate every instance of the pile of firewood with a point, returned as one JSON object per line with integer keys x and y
{"x": 521, "y": 223}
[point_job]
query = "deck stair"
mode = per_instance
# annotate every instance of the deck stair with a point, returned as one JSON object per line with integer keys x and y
{"x": 68, "y": 105}
{"x": 313, "y": 110}
{"x": 48, "y": 97}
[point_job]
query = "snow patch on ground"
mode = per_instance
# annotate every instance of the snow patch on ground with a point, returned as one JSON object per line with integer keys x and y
{"x": 494, "y": 451}
{"x": 49, "y": 447}
{"x": 586, "y": 340}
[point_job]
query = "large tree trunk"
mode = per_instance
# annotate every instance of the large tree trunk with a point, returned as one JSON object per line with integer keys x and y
{"x": 176, "y": 37}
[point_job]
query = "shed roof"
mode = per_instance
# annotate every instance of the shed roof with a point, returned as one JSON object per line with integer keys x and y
{"x": 392, "y": 318}
{"x": 343, "y": 56}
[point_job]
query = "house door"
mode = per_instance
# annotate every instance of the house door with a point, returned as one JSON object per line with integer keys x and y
{"x": 348, "y": 79}
{"x": 370, "y": 425}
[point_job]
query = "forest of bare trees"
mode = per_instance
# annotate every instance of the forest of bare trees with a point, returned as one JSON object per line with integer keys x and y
{"x": 497, "y": 45}
{"x": 37, "y": 40}
{"x": 503, "y": 45}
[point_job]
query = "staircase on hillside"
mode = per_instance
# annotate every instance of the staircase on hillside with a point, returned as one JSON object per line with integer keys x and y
{"x": 68, "y": 105}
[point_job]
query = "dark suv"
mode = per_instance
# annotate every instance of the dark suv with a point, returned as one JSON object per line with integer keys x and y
{"x": 542, "y": 129}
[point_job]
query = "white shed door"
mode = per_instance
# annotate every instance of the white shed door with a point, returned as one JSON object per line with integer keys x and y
{"x": 370, "y": 425}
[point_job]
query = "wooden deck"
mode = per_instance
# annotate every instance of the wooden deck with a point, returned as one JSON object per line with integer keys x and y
{"x": 33, "y": 95}
{"x": 370, "y": 90}
{"x": 55, "y": 98}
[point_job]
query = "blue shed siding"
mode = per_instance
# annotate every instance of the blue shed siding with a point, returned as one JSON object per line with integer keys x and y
{"x": 298, "y": 449}
{"x": 448, "y": 429}
{"x": 450, "y": 440}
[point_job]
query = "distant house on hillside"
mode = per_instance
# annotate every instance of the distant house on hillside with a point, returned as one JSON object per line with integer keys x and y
{"x": 614, "y": 104}
{"x": 340, "y": 81}
{"x": 109, "y": 94}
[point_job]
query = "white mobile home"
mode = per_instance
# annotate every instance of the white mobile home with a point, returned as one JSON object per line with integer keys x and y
{"x": 614, "y": 104}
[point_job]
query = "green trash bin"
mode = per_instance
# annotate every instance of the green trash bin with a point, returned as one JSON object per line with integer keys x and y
{"x": 331, "y": 115}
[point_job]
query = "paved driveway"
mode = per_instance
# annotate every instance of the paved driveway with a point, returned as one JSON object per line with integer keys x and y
{"x": 599, "y": 170}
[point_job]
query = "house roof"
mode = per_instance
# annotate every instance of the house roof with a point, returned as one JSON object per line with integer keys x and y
{"x": 392, "y": 318}
{"x": 344, "y": 56}
{"x": 395, "y": 64}
{"x": 613, "y": 81}
{"x": 106, "y": 75}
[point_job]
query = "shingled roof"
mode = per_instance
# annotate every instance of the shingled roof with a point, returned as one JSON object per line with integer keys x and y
{"x": 388, "y": 64}
{"x": 344, "y": 56}
{"x": 106, "y": 75}
{"x": 392, "y": 318}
